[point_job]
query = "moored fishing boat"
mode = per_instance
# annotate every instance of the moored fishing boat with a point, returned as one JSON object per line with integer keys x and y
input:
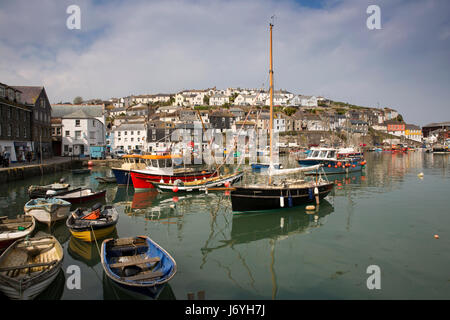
{"x": 137, "y": 262}
{"x": 47, "y": 210}
{"x": 81, "y": 195}
{"x": 94, "y": 223}
{"x": 334, "y": 161}
{"x": 162, "y": 169}
{"x": 122, "y": 173}
{"x": 14, "y": 229}
{"x": 199, "y": 185}
{"x": 29, "y": 266}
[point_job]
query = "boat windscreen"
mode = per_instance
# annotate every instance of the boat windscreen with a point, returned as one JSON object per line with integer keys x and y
{"x": 322, "y": 154}
{"x": 331, "y": 154}
{"x": 315, "y": 154}
{"x": 154, "y": 163}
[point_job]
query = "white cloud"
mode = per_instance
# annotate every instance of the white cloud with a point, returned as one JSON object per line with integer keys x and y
{"x": 165, "y": 46}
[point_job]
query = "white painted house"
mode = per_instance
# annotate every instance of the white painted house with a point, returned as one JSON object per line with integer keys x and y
{"x": 130, "y": 136}
{"x": 218, "y": 100}
{"x": 80, "y": 131}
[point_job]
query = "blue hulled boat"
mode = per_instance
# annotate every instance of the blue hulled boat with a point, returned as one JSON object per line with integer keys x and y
{"x": 137, "y": 262}
{"x": 122, "y": 174}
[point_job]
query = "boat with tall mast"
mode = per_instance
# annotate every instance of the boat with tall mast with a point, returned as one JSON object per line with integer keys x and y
{"x": 257, "y": 197}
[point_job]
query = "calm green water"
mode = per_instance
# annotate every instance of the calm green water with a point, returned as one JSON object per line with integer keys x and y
{"x": 386, "y": 216}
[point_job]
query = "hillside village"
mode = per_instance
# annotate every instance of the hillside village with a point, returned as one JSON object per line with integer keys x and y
{"x": 145, "y": 122}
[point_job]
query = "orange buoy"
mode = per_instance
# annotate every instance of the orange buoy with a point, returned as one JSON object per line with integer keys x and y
{"x": 436, "y": 236}
{"x": 90, "y": 163}
{"x": 354, "y": 166}
{"x": 335, "y": 166}
{"x": 175, "y": 199}
{"x": 227, "y": 193}
{"x": 175, "y": 189}
{"x": 329, "y": 166}
{"x": 339, "y": 164}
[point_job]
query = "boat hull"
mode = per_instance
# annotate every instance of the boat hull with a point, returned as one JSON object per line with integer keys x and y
{"x": 333, "y": 167}
{"x": 89, "y": 235}
{"x": 260, "y": 199}
{"x": 84, "y": 198}
{"x": 43, "y": 216}
{"x": 123, "y": 176}
{"x": 216, "y": 183}
{"x": 143, "y": 181}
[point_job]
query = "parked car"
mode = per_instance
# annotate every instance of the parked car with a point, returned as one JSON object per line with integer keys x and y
{"x": 118, "y": 154}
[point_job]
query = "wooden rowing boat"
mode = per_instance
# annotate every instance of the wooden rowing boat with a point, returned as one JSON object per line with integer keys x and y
{"x": 47, "y": 210}
{"x": 137, "y": 262}
{"x": 15, "y": 229}
{"x": 27, "y": 267}
{"x": 94, "y": 223}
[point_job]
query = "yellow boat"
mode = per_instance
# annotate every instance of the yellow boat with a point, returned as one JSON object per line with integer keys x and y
{"x": 92, "y": 224}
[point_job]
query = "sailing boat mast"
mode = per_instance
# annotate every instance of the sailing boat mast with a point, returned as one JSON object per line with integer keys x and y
{"x": 271, "y": 94}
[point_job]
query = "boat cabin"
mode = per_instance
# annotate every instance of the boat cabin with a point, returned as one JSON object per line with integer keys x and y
{"x": 158, "y": 164}
{"x": 322, "y": 154}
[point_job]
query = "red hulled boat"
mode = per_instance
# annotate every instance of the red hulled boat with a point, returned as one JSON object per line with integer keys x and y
{"x": 161, "y": 168}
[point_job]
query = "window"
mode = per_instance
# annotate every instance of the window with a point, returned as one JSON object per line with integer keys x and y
{"x": 118, "y": 133}
{"x": 36, "y": 115}
{"x": 93, "y": 123}
{"x": 2, "y": 92}
{"x": 58, "y": 131}
{"x": 77, "y": 135}
{"x": 67, "y": 133}
{"x": 9, "y": 130}
{"x": 53, "y": 131}
{"x": 125, "y": 132}
{"x": 138, "y": 133}
{"x": 77, "y": 123}
{"x": 92, "y": 135}
{"x": 66, "y": 148}
{"x": 132, "y": 132}
{"x": 132, "y": 139}
{"x": 25, "y": 132}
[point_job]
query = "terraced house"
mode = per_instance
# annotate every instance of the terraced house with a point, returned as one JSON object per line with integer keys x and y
{"x": 41, "y": 136}
{"x": 15, "y": 124}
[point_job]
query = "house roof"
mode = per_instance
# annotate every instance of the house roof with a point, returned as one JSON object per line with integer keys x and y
{"x": 29, "y": 93}
{"x": 64, "y": 110}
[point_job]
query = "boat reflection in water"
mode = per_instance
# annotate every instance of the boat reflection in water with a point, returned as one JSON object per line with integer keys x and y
{"x": 57, "y": 229}
{"x": 273, "y": 226}
{"x": 252, "y": 227}
{"x": 142, "y": 200}
{"x": 85, "y": 252}
{"x": 115, "y": 291}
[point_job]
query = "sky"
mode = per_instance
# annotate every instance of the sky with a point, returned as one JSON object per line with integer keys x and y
{"x": 161, "y": 46}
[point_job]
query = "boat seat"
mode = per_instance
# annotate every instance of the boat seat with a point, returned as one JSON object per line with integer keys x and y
{"x": 144, "y": 276}
{"x": 25, "y": 266}
{"x": 135, "y": 262}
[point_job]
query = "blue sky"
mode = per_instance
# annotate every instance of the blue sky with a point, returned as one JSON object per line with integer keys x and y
{"x": 320, "y": 48}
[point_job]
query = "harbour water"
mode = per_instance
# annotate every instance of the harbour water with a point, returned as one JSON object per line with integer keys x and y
{"x": 385, "y": 216}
